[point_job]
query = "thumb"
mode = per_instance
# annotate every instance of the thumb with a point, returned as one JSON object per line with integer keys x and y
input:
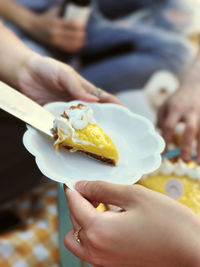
{"x": 107, "y": 193}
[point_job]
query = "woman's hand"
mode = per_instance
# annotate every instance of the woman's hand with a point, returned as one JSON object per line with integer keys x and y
{"x": 45, "y": 80}
{"x": 41, "y": 78}
{"x": 49, "y": 28}
{"x": 183, "y": 106}
{"x": 151, "y": 229}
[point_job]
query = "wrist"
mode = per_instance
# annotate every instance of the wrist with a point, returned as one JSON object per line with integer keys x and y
{"x": 22, "y": 16}
{"x": 29, "y": 25}
{"x": 35, "y": 28}
{"x": 24, "y": 70}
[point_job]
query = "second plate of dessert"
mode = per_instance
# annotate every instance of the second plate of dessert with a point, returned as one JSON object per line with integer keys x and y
{"x": 138, "y": 145}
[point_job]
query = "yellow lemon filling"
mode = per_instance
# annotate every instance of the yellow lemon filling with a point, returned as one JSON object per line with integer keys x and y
{"x": 102, "y": 207}
{"x": 189, "y": 188}
{"x": 93, "y": 140}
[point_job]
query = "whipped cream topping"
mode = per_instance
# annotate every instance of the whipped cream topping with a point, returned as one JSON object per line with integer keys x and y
{"x": 179, "y": 168}
{"x": 194, "y": 173}
{"x": 166, "y": 167}
{"x": 76, "y": 118}
{"x": 80, "y": 116}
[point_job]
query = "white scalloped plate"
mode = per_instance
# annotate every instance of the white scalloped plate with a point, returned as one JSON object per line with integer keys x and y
{"x": 138, "y": 144}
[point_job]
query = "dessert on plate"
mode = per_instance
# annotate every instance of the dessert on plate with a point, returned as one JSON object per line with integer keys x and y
{"x": 77, "y": 130}
{"x": 178, "y": 180}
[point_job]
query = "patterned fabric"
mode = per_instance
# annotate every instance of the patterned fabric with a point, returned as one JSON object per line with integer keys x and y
{"x": 36, "y": 245}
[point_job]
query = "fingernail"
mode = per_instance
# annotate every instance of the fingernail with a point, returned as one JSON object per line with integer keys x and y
{"x": 79, "y": 186}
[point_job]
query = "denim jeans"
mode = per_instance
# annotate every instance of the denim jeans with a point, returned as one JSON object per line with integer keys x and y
{"x": 140, "y": 42}
{"x": 123, "y": 49}
{"x": 149, "y": 49}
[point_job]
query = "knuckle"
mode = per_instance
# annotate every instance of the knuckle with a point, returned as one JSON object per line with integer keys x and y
{"x": 194, "y": 109}
{"x": 75, "y": 25}
{"x": 131, "y": 193}
{"x": 93, "y": 189}
{"x": 129, "y": 190}
{"x": 186, "y": 148}
{"x": 98, "y": 238}
{"x": 52, "y": 35}
{"x": 176, "y": 107}
{"x": 71, "y": 24}
{"x": 136, "y": 191}
{"x": 191, "y": 128}
{"x": 94, "y": 238}
{"x": 168, "y": 126}
{"x": 54, "y": 26}
{"x": 71, "y": 48}
{"x": 56, "y": 23}
{"x": 140, "y": 194}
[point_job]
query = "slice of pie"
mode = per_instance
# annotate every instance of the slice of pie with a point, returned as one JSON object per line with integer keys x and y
{"x": 77, "y": 130}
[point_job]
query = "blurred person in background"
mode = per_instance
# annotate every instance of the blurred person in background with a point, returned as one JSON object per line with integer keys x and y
{"x": 184, "y": 106}
{"x": 122, "y": 45}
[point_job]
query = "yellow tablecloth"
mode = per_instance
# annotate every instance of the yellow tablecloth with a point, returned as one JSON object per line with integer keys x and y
{"x": 36, "y": 245}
